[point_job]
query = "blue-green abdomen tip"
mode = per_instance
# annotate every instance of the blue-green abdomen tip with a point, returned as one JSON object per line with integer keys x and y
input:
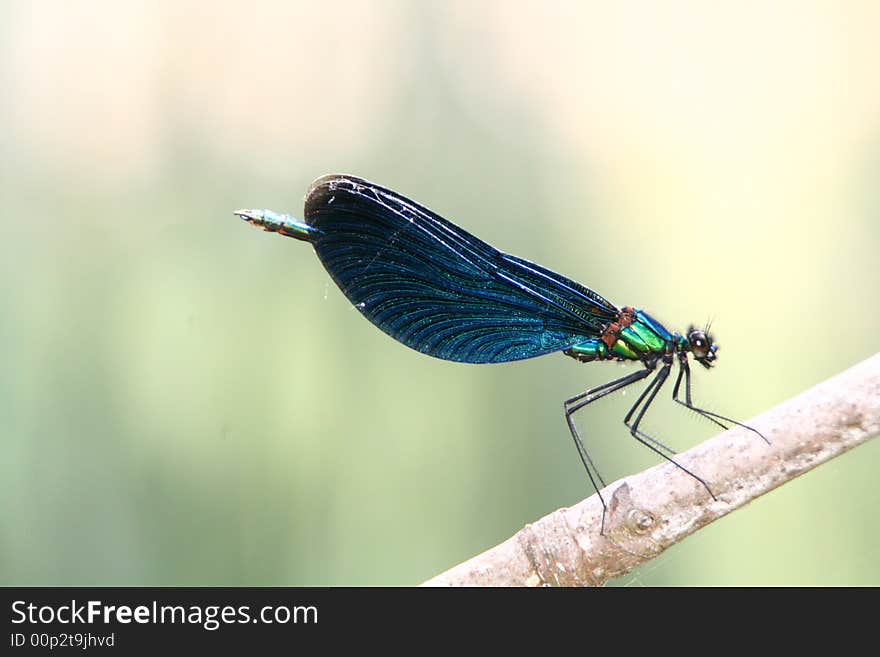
{"x": 278, "y": 222}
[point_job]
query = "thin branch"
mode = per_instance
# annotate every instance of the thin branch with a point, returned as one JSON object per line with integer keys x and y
{"x": 650, "y": 511}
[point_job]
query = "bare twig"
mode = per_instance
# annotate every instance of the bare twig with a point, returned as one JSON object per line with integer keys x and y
{"x": 659, "y": 507}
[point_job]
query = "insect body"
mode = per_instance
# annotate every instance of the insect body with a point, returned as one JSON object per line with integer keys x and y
{"x": 441, "y": 291}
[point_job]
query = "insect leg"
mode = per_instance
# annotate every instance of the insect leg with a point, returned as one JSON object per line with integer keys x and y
{"x": 576, "y": 403}
{"x": 684, "y": 369}
{"x": 656, "y": 382}
{"x": 648, "y": 396}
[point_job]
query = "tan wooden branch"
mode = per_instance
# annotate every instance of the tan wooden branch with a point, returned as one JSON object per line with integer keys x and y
{"x": 650, "y": 511}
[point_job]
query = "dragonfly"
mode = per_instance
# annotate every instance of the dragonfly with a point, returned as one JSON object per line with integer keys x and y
{"x": 436, "y": 288}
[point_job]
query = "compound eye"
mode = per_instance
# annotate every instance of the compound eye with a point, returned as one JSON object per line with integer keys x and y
{"x": 700, "y": 343}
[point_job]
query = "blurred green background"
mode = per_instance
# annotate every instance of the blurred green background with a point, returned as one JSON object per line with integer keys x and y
{"x": 185, "y": 400}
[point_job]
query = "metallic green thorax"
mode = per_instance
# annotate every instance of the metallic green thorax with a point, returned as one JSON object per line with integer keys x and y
{"x": 644, "y": 338}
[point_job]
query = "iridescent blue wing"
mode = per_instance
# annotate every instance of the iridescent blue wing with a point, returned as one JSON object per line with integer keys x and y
{"x": 438, "y": 289}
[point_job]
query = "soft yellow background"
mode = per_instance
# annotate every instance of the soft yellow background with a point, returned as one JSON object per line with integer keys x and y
{"x": 184, "y": 400}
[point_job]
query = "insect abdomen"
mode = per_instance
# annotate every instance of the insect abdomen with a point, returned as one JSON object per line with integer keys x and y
{"x": 278, "y": 222}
